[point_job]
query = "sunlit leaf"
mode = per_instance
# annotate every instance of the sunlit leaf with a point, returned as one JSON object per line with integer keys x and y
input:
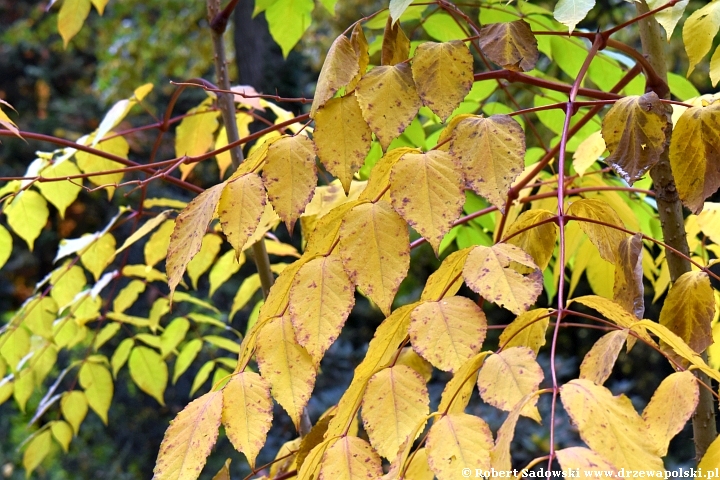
{"x": 195, "y": 134}
{"x": 97, "y": 165}
{"x": 698, "y": 32}
{"x": 74, "y": 407}
{"x": 60, "y": 193}
{"x": 288, "y": 20}
{"x": 447, "y": 279}
{"x": 38, "y": 448}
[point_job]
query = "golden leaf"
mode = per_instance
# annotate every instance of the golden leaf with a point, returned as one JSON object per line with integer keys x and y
{"x": 505, "y": 378}
{"x": 286, "y": 365}
{"x": 395, "y": 45}
{"x": 395, "y": 401}
{"x": 457, "y": 391}
{"x": 511, "y": 45}
{"x": 695, "y": 155}
{"x": 689, "y": 309}
{"x": 585, "y": 461}
{"x": 670, "y": 407}
{"x": 527, "y": 330}
{"x": 321, "y": 298}
{"x": 498, "y": 274}
{"x": 614, "y": 312}
{"x": 447, "y": 279}
{"x": 189, "y": 439}
{"x": 99, "y": 255}
{"x": 443, "y": 74}
{"x": 379, "y": 181}
{"x": 491, "y": 152}
{"x": 247, "y": 413}
{"x": 290, "y": 176}
{"x": 389, "y": 100}
{"x": 340, "y": 67}
{"x": 360, "y": 45}
{"x": 240, "y": 207}
{"x": 711, "y": 458}
{"x": 325, "y": 234}
{"x": 375, "y": 249}
{"x": 600, "y": 360}
{"x": 448, "y": 332}
{"x": 607, "y": 239}
{"x": 610, "y": 425}
{"x": 458, "y": 441}
{"x": 350, "y": 458}
{"x": 427, "y": 191}
{"x": 537, "y": 241}
{"x": 342, "y": 138}
{"x": 195, "y": 134}
{"x": 500, "y": 454}
{"x": 634, "y": 131}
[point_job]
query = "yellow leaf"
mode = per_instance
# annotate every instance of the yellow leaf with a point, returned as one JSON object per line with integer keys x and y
{"x": 245, "y": 293}
{"x": 360, "y": 45}
{"x": 628, "y": 289}
{"x": 419, "y": 468}
{"x": 634, "y": 131}
{"x": 225, "y": 267}
{"x": 286, "y": 365}
{"x": 670, "y": 407}
{"x": 74, "y": 407}
{"x": 457, "y": 392}
{"x": 511, "y": 45}
{"x": 99, "y": 255}
{"x": 694, "y": 155}
{"x": 156, "y": 247}
{"x": 600, "y": 360}
{"x": 224, "y": 472}
{"x": 321, "y": 298}
{"x": 382, "y": 349}
{"x": 240, "y": 207}
{"x": 617, "y": 314}
{"x": 247, "y": 413}
{"x": 491, "y": 152}
{"x": 67, "y": 282}
{"x": 342, "y": 138}
{"x": 448, "y": 332}
{"x": 443, "y": 74}
{"x": 27, "y": 214}
{"x": 6, "y": 122}
{"x": 585, "y": 461}
{"x": 350, "y": 458}
{"x": 310, "y": 469}
{"x": 98, "y": 384}
{"x": 324, "y": 236}
{"x": 389, "y": 101}
{"x": 187, "y": 354}
{"x": 507, "y": 377}
{"x": 610, "y": 425}
{"x": 173, "y": 334}
{"x": 36, "y": 451}
{"x": 497, "y": 273}
{"x": 447, "y": 279}
{"x": 149, "y": 372}
{"x": 189, "y": 439}
{"x": 224, "y": 159}
{"x": 605, "y": 238}
{"x": 458, "y": 441}
{"x": 709, "y": 221}
{"x": 60, "y": 193}
{"x": 375, "y": 249}
{"x": 128, "y": 295}
{"x": 290, "y": 176}
{"x": 395, "y": 44}
{"x": 40, "y": 313}
{"x": 689, "y": 309}
{"x": 62, "y": 432}
{"x": 527, "y": 330}
{"x": 209, "y": 249}
{"x": 427, "y": 191}
{"x": 194, "y": 135}
{"x": 268, "y": 221}
{"x": 187, "y": 236}
{"x": 500, "y": 457}
{"x": 411, "y": 359}
{"x": 669, "y": 17}
{"x": 340, "y": 67}
{"x": 711, "y": 459}
{"x": 698, "y": 32}
{"x": 379, "y": 181}
{"x": 93, "y": 164}
{"x": 395, "y": 401}
{"x": 588, "y": 152}
{"x": 537, "y": 241}
{"x": 71, "y": 18}
{"x": 100, "y": 6}
{"x": 5, "y": 245}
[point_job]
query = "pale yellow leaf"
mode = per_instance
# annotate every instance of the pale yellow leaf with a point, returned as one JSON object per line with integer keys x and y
{"x": 98, "y": 384}
{"x": 99, "y": 255}
{"x": 342, "y": 138}
{"x": 156, "y": 247}
{"x": 340, "y": 67}
{"x": 189, "y": 439}
{"x": 634, "y": 132}
{"x": 96, "y": 165}
{"x": 537, "y": 241}
{"x": 572, "y": 12}
{"x": 670, "y": 408}
{"x": 71, "y": 18}
{"x": 505, "y": 378}
{"x": 247, "y": 413}
{"x": 395, "y": 401}
{"x": 61, "y": 193}
{"x": 491, "y": 152}
{"x": 443, "y": 74}
{"x": 585, "y": 461}
{"x": 698, "y": 32}
{"x": 447, "y": 279}
{"x": 225, "y": 267}
{"x": 290, "y": 176}
{"x": 187, "y": 236}
{"x": 194, "y": 135}
{"x": 204, "y": 258}
{"x": 505, "y": 275}
{"x": 149, "y": 372}
{"x": 320, "y": 301}
{"x": 375, "y": 249}
{"x": 588, "y": 152}
{"x": 600, "y": 360}
{"x": 63, "y": 433}
{"x": 350, "y": 458}
{"x": 427, "y": 191}
{"x": 26, "y": 215}
{"x": 74, "y": 407}
{"x": 242, "y": 120}
{"x": 36, "y": 450}
{"x": 5, "y": 245}
{"x": 669, "y": 17}
{"x": 448, "y": 332}
{"x": 360, "y": 45}
{"x": 617, "y": 314}
{"x": 527, "y": 330}
{"x": 709, "y": 221}
{"x": 610, "y": 425}
{"x": 416, "y": 362}
{"x": 458, "y": 441}
{"x": 389, "y": 100}
{"x": 418, "y": 469}
{"x": 457, "y": 391}
{"x": 606, "y": 238}
{"x": 511, "y": 45}
{"x": 379, "y": 181}
{"x": 240, "y": 207}
{"x": 689, "y": 309}
{"x": 286, "y": 365}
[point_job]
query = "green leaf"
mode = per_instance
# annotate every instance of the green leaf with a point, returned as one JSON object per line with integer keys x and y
{"x": 98, "y": 384}
{"x": 288, "y": 20}
{"x": 398, "y": 7}
{"x": 149, "y": 372}
{"x": 5, "y": 245}
{"x": 74, "y": 407}
{"x": 202, "y": 375}
{"x": 186, "y": 356}
{"x": 27, "y": 214}
{"x": 36, "y": 451}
